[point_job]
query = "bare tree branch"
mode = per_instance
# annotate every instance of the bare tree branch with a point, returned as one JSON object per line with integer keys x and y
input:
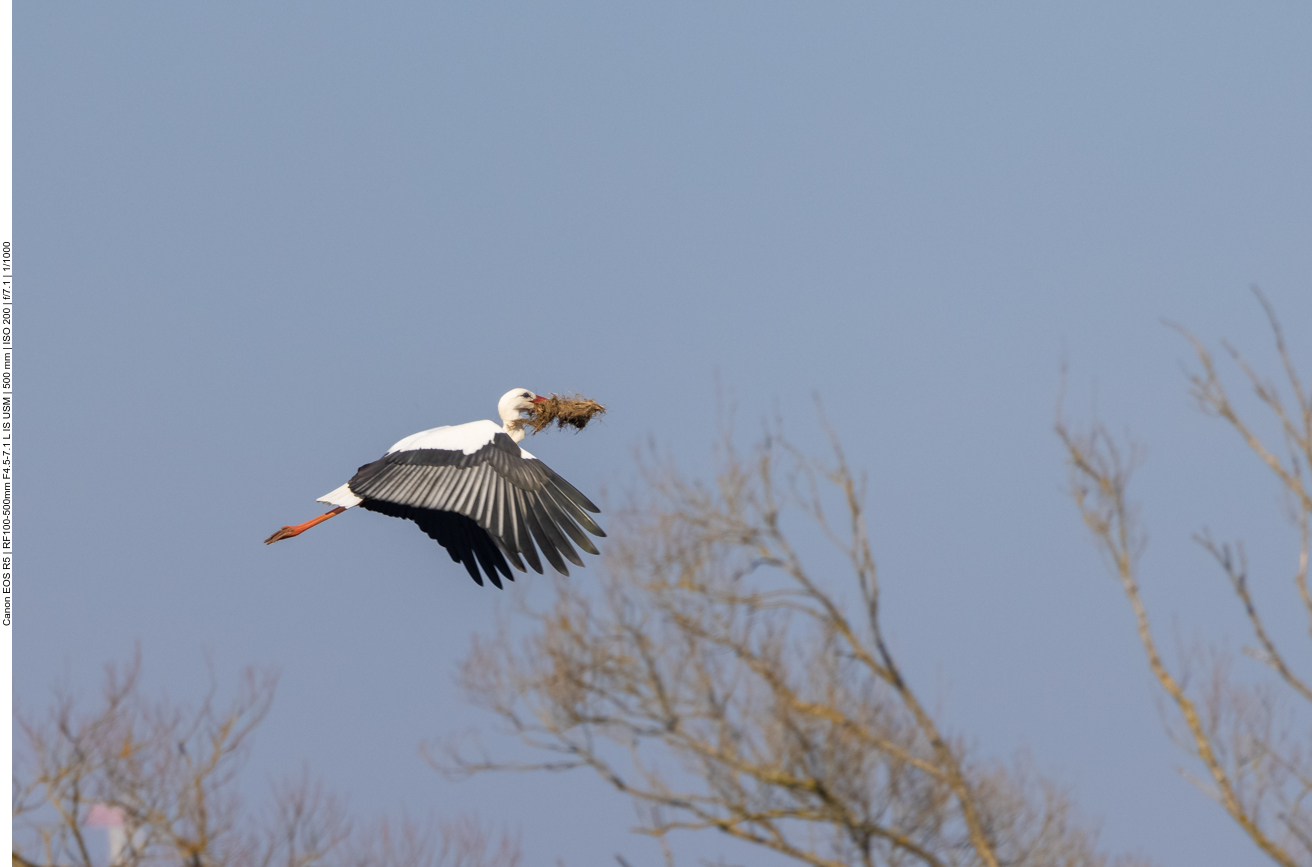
{"x": 170, "y": 773}
{"x": 721, "y": 684}
{"x": 1257, "y": 766}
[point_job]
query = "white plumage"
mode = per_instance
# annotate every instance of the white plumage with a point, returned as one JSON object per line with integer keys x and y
{"x": 465, "y": 438}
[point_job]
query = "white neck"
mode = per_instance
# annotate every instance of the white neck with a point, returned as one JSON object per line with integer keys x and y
{"x": 516, "y": 431}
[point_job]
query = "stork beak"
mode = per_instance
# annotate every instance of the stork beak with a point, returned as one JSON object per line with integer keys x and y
{"x": 539, "y": 399}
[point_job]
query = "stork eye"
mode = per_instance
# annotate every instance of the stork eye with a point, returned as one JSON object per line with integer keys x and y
{"x": 526, "y": 394}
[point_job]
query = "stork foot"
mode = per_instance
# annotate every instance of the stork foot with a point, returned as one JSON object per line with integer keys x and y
{"x": 284, "y": 533}
{"x": 288, "y": 532}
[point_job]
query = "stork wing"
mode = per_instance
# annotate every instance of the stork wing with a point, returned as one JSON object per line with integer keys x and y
{"x": 514, "y": 499}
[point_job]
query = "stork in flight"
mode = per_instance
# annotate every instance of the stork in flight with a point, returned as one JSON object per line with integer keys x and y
{"x": 473, "y": 489}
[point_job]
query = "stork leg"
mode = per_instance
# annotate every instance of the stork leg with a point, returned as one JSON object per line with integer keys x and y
{"x": 288, "y": 532}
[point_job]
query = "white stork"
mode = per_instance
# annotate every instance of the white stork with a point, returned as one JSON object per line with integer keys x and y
{"x": 473, "y": 489}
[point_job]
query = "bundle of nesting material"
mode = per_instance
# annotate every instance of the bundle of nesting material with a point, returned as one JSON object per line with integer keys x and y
{"x": 574, "y": 411}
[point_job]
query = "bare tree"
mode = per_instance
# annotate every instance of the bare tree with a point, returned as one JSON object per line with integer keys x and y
{"x": 724, "y": 684}
{"x": 1256, "y": 759}
{"x": 170, "y": 775}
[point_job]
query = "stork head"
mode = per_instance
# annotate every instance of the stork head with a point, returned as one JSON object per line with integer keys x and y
{"x": 514, "y": 402}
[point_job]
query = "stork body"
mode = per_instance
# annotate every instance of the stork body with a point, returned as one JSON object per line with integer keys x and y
{"x": 471, "y": 487}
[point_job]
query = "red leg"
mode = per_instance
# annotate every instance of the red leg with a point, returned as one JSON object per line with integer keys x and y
{"x": 288, "y": 532}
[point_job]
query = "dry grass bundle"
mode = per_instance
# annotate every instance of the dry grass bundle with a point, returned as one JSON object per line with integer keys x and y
{"x": 574, "y": 411}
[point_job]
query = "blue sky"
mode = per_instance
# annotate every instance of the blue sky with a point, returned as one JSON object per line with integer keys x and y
{"x": 260, "y": 244}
